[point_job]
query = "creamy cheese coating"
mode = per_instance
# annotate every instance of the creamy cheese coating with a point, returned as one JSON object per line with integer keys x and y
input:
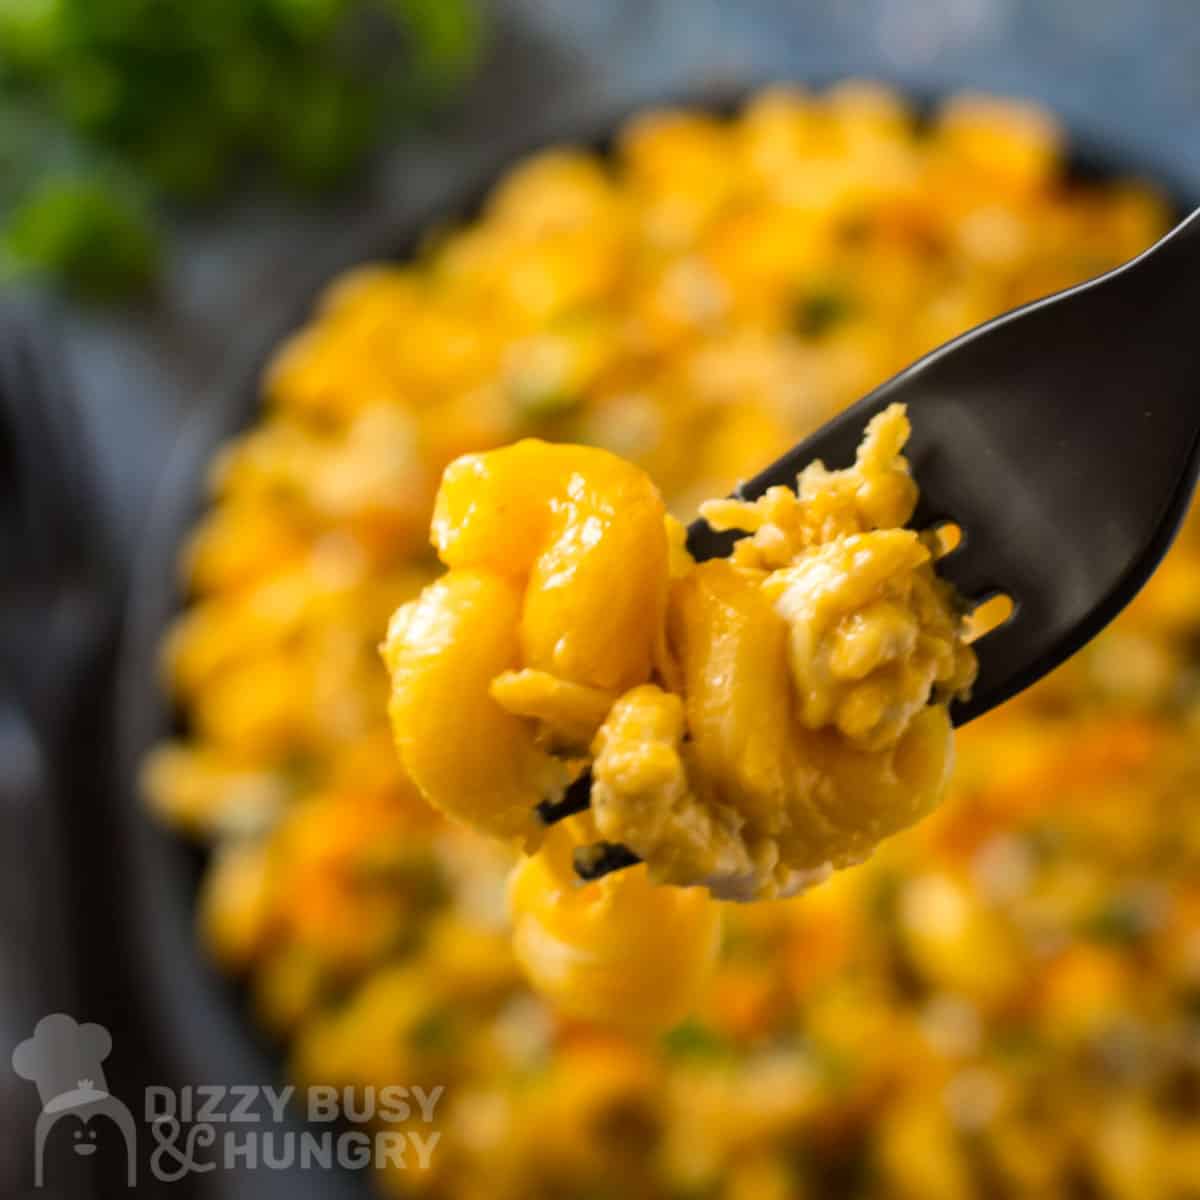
{"x": 622, "y": 951}
{"x": 817, "y": 664}
{"x": 752, "y": 723}
{"x": 554, "y": 604}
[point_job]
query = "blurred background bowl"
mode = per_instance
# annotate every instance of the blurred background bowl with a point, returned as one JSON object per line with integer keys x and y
{"x": 193, "y": 1009}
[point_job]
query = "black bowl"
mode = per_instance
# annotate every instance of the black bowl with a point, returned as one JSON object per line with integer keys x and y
{"x": 193, "y": 1015}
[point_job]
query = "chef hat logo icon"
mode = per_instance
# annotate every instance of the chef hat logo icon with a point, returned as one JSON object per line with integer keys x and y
{"x": 64, "y": 1059}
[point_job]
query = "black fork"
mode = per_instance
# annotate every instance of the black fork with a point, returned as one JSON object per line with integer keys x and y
{"x": 1063, "y": 439}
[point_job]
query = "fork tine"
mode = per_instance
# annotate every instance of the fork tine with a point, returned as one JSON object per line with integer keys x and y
{"x": 993, "y": 650}
{"x": 576, "y": 799}
{"x": 972, "y": 572}
{"x": 603, "y": 858}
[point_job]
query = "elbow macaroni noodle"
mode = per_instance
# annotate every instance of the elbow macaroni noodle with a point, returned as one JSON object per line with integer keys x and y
{"x": 760, "y": 720}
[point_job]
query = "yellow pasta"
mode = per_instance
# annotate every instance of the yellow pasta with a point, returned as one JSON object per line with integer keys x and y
{"x": 624, "y": 952}
{"x": 1001, "y": 1000}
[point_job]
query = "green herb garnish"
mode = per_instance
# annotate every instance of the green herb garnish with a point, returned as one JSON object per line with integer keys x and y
{"x": 1121, "y": 922}
{"x": 171, "y": 99}
{"x": 435, "y": 1033}
{"x": 820, "y": 311}
{"x": 693, "y": 1040}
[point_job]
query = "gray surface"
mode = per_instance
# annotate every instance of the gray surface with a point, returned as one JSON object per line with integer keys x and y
{"x": 1125, "y": 73}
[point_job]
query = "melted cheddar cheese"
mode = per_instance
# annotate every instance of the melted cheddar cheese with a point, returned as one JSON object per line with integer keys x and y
{"x": 623, "y": 951}
{"x": 750, "y": 723}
